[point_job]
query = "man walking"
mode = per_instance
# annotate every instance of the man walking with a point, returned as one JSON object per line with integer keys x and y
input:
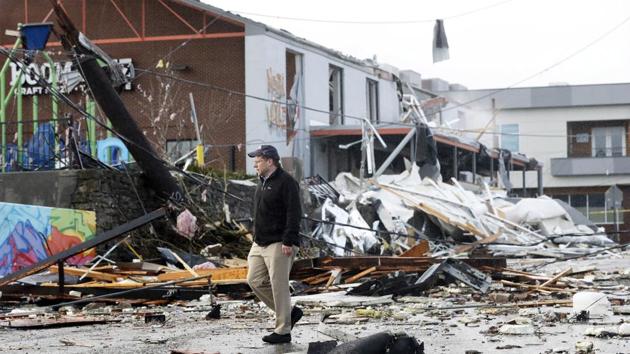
{"x": 277, "y": 215}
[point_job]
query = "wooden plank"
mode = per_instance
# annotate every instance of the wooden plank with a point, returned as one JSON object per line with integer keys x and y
{"x": 315, "y": 277}
{"x": 321, "y": 280}
{"x": 555, "y": 278}
{"x": 106, "y": 236}
{"x": 216, "y": 274}
{"x": 123, "y": 273}
{"x": 360, "y": 275}
{"x": 133, "y": 285}
{"x": 144, "y": 266}
{"x": 525, "y": 275}
{"x": 363, "y": 262}
{"x": 180, "y": 260}
{"x": 418, "y": 250}
{"x": 533, "y": 287}
{"x": 39, "y": 323}
{"x": 487, "y": 240}
{"x": 119, "y": 285}
{"x": 92, "y": 274}
{"x": 334, "y": 274}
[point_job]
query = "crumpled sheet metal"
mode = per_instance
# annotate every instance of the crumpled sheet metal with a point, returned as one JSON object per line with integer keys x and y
{"x": 362, "y": 240}
{"x": 489, "y": 217}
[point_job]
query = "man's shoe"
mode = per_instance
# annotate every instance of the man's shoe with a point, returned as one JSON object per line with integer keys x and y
{"x": 275, "y": 338}
{"x": 296, "y": 314}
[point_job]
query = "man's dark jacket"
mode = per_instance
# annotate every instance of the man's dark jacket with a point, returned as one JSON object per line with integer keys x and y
{"x": 277, "y": 210}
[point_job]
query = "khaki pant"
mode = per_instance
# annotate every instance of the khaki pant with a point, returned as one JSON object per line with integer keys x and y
{"x": 268, "y": 276}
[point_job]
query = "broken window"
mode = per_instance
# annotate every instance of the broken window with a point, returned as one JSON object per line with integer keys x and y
{"x": 293, "y": 91}
{"x": 335, "y": 94}
{"x": 372, "y": 100}
{"x": 609, "y": 141}
{"x": 175, "y": 149}
{"x": 509, "y": 137}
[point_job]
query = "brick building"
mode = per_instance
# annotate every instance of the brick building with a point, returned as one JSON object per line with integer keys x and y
{"x": 251, "y": 84}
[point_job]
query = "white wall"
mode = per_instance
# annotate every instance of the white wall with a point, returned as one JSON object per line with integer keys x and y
{"x": 257, "y": 128}
{"x": 266, "y": 50}
{"x": 389, "y": 106}
{"x": 468, "y": 122}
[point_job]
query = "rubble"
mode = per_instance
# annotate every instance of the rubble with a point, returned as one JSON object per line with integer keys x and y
{"x": 584, "y": 347}
{"x": 396, "y": 211}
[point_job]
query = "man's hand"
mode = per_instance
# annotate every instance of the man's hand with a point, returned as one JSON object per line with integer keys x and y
{"x": 287, "y": 250}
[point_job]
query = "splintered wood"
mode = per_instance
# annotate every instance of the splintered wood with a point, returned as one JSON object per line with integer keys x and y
{"x": 131, "y": 276}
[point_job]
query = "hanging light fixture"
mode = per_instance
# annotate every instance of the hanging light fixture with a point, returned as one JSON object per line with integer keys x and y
{"x": 440, "y": 43}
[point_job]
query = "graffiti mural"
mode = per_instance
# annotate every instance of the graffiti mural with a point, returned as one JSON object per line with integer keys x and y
{"x": 283, "y": 112}
{"x": 276, "y": 108}
{"x": 30, "y": 233}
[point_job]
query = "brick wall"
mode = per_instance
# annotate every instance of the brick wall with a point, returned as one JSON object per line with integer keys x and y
{"x": 159, "y": 103}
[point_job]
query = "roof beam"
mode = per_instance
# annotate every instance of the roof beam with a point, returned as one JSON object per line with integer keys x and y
{"x": 179, "y": 17}
{"x": 124, "y": 17}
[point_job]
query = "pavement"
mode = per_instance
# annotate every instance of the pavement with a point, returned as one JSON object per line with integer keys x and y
{"x": 548, "y": 330}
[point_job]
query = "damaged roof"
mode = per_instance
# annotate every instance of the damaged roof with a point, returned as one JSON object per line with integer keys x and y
{"x": 254, "y": 27}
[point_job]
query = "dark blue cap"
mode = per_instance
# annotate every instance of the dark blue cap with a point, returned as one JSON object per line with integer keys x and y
{"x": 265, "y": 151}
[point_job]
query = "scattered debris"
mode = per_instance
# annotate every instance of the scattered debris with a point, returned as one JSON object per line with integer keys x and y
{"x": 594, "y": 303}
{"x": 518, "y": 329}
{"x": 215, "y": 313}
{"x": 384, "y": 342}
{"x": 584, "y": 347}
{"x": 154, "y": 318}
{"x": 321, "y": 347}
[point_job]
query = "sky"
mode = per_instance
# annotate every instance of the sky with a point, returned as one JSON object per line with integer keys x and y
{"x": 493, "y": 43}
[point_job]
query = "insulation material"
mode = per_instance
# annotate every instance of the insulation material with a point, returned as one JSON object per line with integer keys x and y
{"x": 362, "y": 240}
{"x": 529, "y": 226}
{"x": 532, "y": 211}
{"x": 186, "y": 224}
{"x": 348, "y": 186}
{"x": 595, "y": 240}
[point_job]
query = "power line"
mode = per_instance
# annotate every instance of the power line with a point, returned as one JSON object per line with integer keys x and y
{"x": 373, "y": 22}
{"x": 561, "y": 61}
{"x": 184, "y": 43}
{"x": 364, "y": 118}
{"x": 317, "y": 110}
{"x": 323, "y": 111}
{"x": 259, "y": 98}
{"x": 356, "y": 117}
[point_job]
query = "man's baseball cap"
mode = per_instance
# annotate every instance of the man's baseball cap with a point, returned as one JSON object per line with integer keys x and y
{"x": 265, "y": 151}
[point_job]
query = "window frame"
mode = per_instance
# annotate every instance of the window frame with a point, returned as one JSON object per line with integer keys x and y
{"x": 608, "y": 134}
{"x": 179, "y": 143}
{"x": 609, "y": 217}
{"x": 372, "y": 97}
{"x": 336, "y": 117}
{"x": 512, "y": 135}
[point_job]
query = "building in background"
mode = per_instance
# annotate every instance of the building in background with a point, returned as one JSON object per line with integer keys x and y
{"x": 579, "y": 133}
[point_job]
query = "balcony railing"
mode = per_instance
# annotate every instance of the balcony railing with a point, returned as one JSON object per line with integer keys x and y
{"x": 590, "y": 166}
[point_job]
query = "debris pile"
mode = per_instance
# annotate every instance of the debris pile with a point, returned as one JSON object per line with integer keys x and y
{"x": 392, "y": 213}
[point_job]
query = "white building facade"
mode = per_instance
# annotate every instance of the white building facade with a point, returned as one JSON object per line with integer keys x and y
{"x": 307, "y": 86}
{"x": 579, "y": 133}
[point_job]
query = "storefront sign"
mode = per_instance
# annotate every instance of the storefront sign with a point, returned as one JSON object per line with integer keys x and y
{"x": 68, "y": 76}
